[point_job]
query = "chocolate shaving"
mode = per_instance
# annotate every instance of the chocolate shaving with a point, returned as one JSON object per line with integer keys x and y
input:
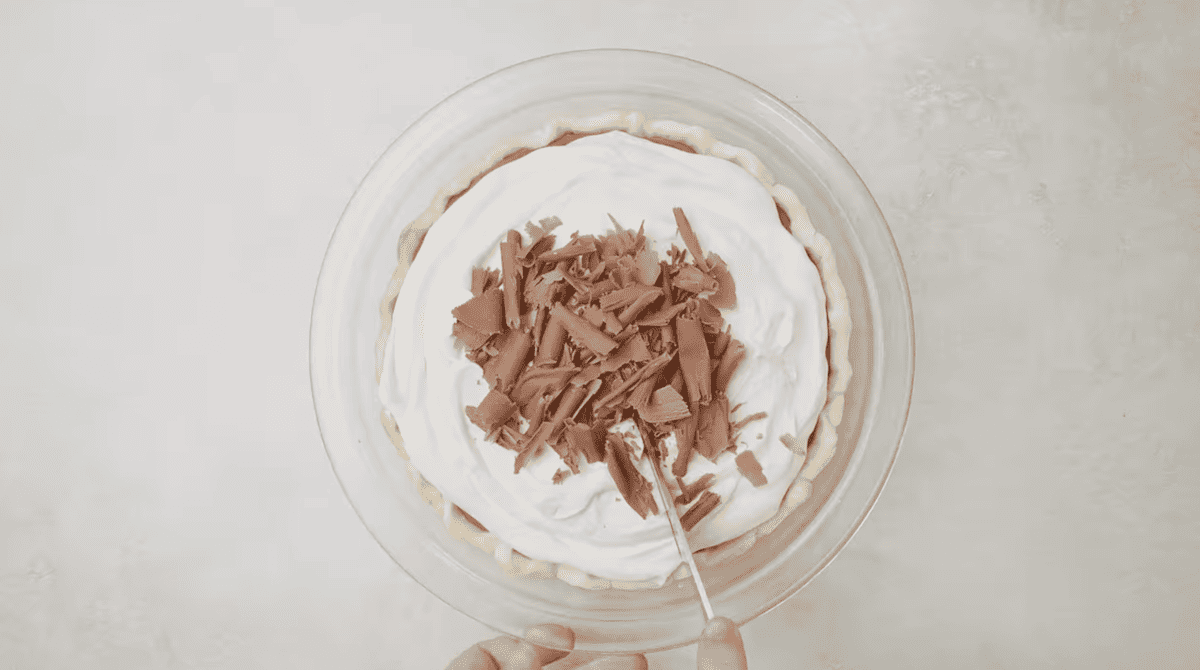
{"x": 634, "y": 349}
{"x": 713, "y": 432}
{"x": 531, "y": 449}
{"x": 547, "y": 224}
{"x": 582, "y": 438}
{"x": 632, "y": 311}
{"x": 651, "y": 368}
{"x": 688, "y": 492}
{"x": 665, "y": 405}
{"x": 707, "y": 503}
{"x": 627, "y": 296}
{"x": 634, "y": 488}
{"x": 502, "y": 371}
{"x": 693, "y": 359}
{"x": 492, "y": 412}
{"x": 750, "y": 468}
{"x": 583, "y": 331}
{"x": 512, "y": 279}
{"x": 685, "y": 440}
{"x": 538, "y": 381}
{"x": 559, "y": 476}
{"x": 545, "y": 290}
{"x": 757, "y": 416}
{"x": 663, "y": 316}
{"x": 483, "y": 313}
{"x": 541, "y": 245}
{"x": 571, "y": 398}
{"x": 597, "y": 291}
{"x": 710, "y": 316}
{"x": 577, "y": 247}
{"x": 471, "y": 338}
{"x": 690, "y": 278}
{"x": 552, "y": 342}
{"x": 613, "y": 333}
{"x": 483, "y": 279}
{"x": 725, "y": 296}
{"x": 734, "y": 353}
{"x": 689, "y": 238}
{"x": 646, "y": 267}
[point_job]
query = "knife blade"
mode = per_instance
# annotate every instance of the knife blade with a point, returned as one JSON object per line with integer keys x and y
{"x": 685, "y": 550}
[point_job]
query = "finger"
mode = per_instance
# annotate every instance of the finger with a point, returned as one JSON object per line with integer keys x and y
{"x": 637, "y": 662}
{"x": 474, "y": 658}
{"x": 720, "y": 647}
{"x": 551, "y": 641}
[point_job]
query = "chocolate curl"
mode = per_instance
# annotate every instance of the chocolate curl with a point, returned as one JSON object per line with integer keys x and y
{"x": 689, "y": 238}
{"x": 483, "y": 313}
{"x": 537, "y": 381}
{"x": 582, "y": 438}
{"x": 539, "y": 247}
{"x": 512, "y": 279}
{"x": 578, "y": 247}
{"x": 667, "y": 333}
{"x": 536, "y": 415}
{"x": 664, "y": 272}
{"x": 710, "y": 316}
{"x": 572, "y": 398}
{"x": 633, "y": 486}
{"x": 693, "y": 359}
{"x": 527, "y": 453}
{"x": 685, "y": 440}
{"x": 691, "y": 279}
{"x": 706, "y": 504}
{"x": 688, "y": 492}
{"x": 647, "y": 267}
{"x": 720, "y": 342}
{"x": 663, "y": 316}
{"x": 503, "y": 370}
{"x": 492, "y": 412}
{"x": 482, "y": 279}
{"x": 751, "y": 469}
{"x": 757, "y": 416}
{"x": 651, "y": 368}
{"x": 597, "y": 291}
{"x": 552, "y": 342}
{"x": 712, "y": 437}
{"x": 640, "y": 397}
{"x": 726, "y": 293}
{"x": 631, "y": 312}
{"x": 677, "y": 381}
{"x": 634, "y": 349}
{"x": 734, "y": 353}
{"x": 665, "y": 405}
{"x": 583, "y": 331}
{"x": 627, "y": 296}
{"x": 471, "y": 338}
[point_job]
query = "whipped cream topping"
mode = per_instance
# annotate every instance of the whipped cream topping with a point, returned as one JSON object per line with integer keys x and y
{"x": 426, "y": 380}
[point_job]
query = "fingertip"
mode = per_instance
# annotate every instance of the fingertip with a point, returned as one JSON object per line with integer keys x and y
{"x": 720, "y": 646}
{"x": 475, "y": 658}
{"x": 551, "y": 635}
{"x": 718, "y": 628}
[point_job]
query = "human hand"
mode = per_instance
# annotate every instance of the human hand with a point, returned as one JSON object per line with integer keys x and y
{"x": 538, "y": 650}
{"x": 719, "y": 648}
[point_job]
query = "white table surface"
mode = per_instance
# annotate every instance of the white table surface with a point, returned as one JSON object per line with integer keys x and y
{"x": 170, "y": 175}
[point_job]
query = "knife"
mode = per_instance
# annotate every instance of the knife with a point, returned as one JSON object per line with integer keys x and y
{"x": 685, "y": 551}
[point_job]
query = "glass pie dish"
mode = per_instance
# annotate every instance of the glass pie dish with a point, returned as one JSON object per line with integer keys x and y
{"x": 459, "y": 132}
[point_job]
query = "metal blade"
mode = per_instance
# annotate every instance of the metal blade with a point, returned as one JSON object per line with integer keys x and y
{"x": 681, "y": 542}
